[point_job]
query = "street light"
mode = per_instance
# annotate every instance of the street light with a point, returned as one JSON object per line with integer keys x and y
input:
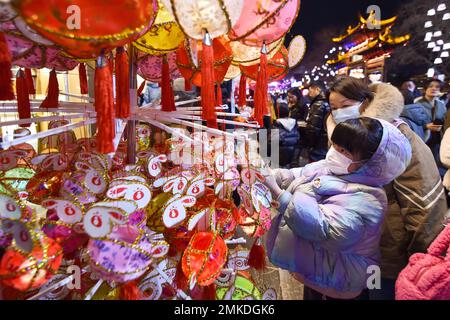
{"x": 431, "y": 12}
{"x": 442, "y": 7}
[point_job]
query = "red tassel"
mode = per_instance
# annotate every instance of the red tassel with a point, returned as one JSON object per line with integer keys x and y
{"x": 30, "y": 82}
{"x": 209, "y": 292}
{"x": 23, "y": 100}
{"x": 207, "y": 91}
{"x": 167, "y": 98}
{"x": 104, "y": 106}
{"x": 261, "y": 89}
{"x": 180, "y": 280}
{"x": 187, "y": 85}
{"x": 51, "y": 101}
{"x": 6, "y": 88}
{"x": 257, "y": 256}
{"x": 130, "y": 291}
{"x": 122, "y": 84}
{"x": 83, "y": 79}
{"x": 243, "y": 91}
{"x": 219, "y": 95}
{"x": 141, "y": 88}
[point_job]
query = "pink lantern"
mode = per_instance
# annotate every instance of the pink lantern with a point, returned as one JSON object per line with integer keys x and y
{"x": 264, "y": 20}
{"x": 150, "y": 67}
{"x": 27, "y": 54}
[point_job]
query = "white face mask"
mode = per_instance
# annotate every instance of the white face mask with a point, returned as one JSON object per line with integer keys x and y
{"x": 343, "y": 114}
{"x": 337, "y": 162}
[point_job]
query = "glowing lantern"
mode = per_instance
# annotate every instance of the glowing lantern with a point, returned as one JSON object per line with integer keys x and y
{"x": 189, "y": 62}
{"x": 204, "y": 258}
{"x": 85, "y": 27}
{"x": 247, "y": 55}
{"x": 277, "y": 67}
{"x": 195, "y": 16}
{"x": 264, "y": 21}
{"x": 296, "y": 51}
{"x": 163, "y": 37}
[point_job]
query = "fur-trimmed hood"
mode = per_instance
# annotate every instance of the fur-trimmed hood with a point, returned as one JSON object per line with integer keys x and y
{"x": 387, "y": 104}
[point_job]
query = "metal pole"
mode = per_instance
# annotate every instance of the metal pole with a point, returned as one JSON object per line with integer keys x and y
{"x": 131, "y": 124}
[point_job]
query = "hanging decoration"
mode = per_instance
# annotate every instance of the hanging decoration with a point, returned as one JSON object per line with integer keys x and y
{"x": 217, "y": 17}
{"x": 92, "y": 31}
{"x": 163, "y": 37}
{"x": 150, "y": 67}
{"x": 264, "y": 21}
{"x": 189, "y": 60}
{"x": 296, "y": 51}
{"x": 277, "y": 67}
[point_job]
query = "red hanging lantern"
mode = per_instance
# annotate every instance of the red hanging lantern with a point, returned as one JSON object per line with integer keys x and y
{"x": 86, "y": 27}
{"x": 277, "y": 67}
{"x": 189, "y": 60}
{"x": 204, "y": 257}
{"x": 27, "y": 271}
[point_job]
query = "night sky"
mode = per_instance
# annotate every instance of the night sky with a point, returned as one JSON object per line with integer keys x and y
{"x": 317, "y": 14}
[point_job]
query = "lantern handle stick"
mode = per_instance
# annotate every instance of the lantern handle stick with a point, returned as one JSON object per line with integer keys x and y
{"x": 47, "y": 133}
{"x": 77, "y": 96}
{"x": 56, "y": 285}
{"x": 236, "y": 241}
{"x": 93, "y": 290}
{"x": 41, "y": 119}
{"x": 131, "y": 124}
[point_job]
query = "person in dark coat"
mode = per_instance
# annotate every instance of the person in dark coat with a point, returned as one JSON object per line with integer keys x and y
{"x": 288, "y": 134}
{"x": 315, "y": 133}
{"x": 298, "y": 109}
{"x": 410, "y": 92}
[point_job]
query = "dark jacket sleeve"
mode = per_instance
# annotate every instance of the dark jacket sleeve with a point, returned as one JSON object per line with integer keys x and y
{"x": 315, "y": 125}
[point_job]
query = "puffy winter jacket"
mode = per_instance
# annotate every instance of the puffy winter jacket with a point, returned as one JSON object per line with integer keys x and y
{"x": 416, "y": 118}
{"x": 288, "y": 137}
{"x": 329, "y": 227}
{"x": 417, "y": 202}
{"x": 315, "y": 134}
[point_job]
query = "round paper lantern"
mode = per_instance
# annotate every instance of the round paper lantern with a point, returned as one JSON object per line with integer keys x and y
{"x": 296, "y": 51}
{"x": 43, "y": 185}
{"x": 195, "y": 16}
{"x": 233, "y": 72}
{"x": 277, "y": 67}
{"x": 242, "y": 288}
{"x": 30, "y": 33}
{"x": 204, "y": 257}
{"x": 150, "y": 67}
{"x": 89, "y": 26}
{"x": 225, "y": 221}
{"x": 28, "y": 271}
{"x": 189, "y": 62}
{"x": 247, "y": 55}
{"x": 163, "y": 37}
{"x": 254, "y": 225}
{"x": 264, "y": 20}
{"x": 27, "y": 54}
{"x": 123, "y": 256}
